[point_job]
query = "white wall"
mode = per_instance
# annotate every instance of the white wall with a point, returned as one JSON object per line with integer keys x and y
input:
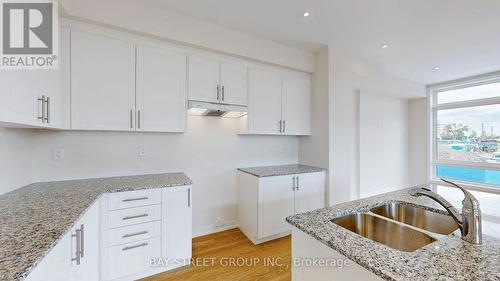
{"x": 349, "y": 76}
{"x": 208, "y": 153}
{"x": 147, "y": 18}
{"x": 383, "y": 144}
{"x": 419, "y": 136}
{"x": 314, "y": 149}
{"x": 16, "y": 158}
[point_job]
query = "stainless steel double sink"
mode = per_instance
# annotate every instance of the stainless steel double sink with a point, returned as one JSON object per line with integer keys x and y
{"x": 399, "y": 225}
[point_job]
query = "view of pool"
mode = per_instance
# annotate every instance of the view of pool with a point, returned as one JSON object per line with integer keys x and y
{"x": 490, "y": 177}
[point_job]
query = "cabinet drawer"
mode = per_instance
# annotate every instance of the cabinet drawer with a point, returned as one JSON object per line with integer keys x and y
{"x": 132, "y": 258}
{"x": 132, "y": 233}
{"x": 132, "y": 216}
{"x": 137, "y": 198}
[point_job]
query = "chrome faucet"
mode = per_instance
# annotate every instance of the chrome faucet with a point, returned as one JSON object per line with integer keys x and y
{"x": 469, "y": 221}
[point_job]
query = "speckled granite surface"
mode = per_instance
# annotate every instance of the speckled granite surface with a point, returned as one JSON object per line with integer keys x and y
{"x": 448, "y": 258}
{"x": 281, "y": 170}
{"x": 35, "y": 217}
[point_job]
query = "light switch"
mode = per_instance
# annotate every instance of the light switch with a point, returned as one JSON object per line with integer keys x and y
{"x": 143, "y": 150}
{"x": 58, "y": 154}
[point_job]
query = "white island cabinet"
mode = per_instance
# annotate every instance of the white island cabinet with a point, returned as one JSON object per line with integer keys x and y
{"x": 265, "y": 202}
{"x": 330, "y": 265}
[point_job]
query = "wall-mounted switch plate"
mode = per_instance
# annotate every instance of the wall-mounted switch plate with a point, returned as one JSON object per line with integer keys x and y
{"x": 143, "y": 150}
{"x": 58, "y": 154}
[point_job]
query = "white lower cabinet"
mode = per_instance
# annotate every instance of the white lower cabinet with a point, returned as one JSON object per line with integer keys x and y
{"x": 145, "y": 232}
{"x": 177, "y": 226}
{"x": 265, "y": 202}
{"x": 119, "y": 236}
{"x": 76, "y": 256}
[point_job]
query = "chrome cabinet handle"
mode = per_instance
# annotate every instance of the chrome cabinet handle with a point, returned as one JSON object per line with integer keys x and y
{"x": 135, "y": 217}
{"x": 131, "y": 119}
{"x": 135, "y": 234}
{"x": 284, "y": 126}
{"x": 189, "y": 197}
{"x": 293, "y": 185}
{"x": 138, "y": 119}
{"x": 135, "y": 199}
{"x": 135, "y": 246}
{"x": 41, "y": 101}
{"x": 82, "y": 239}
{"x": 79, "y": 245}
{"x": 298, "y": 185}
{"x": 223, "y": 93}
{"x": 47, "y": 111}
{"x": 218, "y": 92}
{"x": 281, "y": 126}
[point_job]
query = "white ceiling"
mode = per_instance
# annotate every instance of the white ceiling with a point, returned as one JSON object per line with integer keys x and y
{"x": 462, "y": 37}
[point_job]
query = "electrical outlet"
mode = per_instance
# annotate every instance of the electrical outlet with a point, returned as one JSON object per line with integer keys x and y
{"x": 219, "y": 222}
{"x": 143, "y": 150}
{"x": 58, "y": 154}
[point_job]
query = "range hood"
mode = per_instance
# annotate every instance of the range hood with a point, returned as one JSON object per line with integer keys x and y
{"x": 216, "y": 109}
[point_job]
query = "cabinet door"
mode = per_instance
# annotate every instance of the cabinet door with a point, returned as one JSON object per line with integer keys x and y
{"x": 58, "y": 264}
{"x": 89, "y": 264}
{"x": 309, "y": 192}
{"x": 264, "y": 97}
{"x": 161, "y": 90}
{"x": 275, "y": 204}
{"x": 177, "y": 225}
{"x": 21, "y": 90}
{"x": 102, "y": 82}
{"x": 297, "y": 104}
{"x": 204, "y": 79}
{"x": 233, "y": 83}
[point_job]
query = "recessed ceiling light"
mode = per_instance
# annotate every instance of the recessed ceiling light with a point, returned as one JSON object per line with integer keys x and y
{"x": 436, "y": 68}
{"x": 385, "y": 46}
{"x": 306, "y": 14}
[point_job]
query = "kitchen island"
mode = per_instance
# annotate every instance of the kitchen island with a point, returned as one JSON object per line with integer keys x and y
{"x": 324, "y": 250}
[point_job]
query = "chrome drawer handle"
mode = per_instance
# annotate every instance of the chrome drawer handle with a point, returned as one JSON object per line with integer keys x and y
{"x": 135, "y": 217}
{"x": 135, "y": 234}
{"x": 133, "y": 247}
{"x": 135, "y": 199}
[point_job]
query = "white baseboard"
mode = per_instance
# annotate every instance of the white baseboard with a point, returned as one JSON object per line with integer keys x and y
{"x": 211, "y": 229}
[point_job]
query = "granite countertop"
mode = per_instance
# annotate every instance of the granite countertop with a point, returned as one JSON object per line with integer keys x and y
{"x": 33, "y": 218}
{"x": 448, "y": 258}
{"x": 281, "y": 170}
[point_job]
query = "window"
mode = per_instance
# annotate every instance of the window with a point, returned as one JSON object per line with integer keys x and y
{"x": 465, "y": 137}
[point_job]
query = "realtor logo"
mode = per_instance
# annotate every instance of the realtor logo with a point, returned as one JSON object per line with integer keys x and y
{"x": 29, "y": 34}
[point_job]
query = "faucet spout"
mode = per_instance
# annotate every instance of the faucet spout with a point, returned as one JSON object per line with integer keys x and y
{"x": 443, "y": 202}
{"x": 469, "y": 221}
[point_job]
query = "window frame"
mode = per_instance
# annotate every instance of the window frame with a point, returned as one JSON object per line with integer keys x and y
{"x": 433, "y": 108}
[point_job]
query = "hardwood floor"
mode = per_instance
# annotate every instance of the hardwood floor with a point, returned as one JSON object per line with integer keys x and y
{"x": 230, "y": 256}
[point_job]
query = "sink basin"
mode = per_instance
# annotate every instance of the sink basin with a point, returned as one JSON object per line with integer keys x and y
{"x": 418, "y": 217}
{"x": 391, "y": 234}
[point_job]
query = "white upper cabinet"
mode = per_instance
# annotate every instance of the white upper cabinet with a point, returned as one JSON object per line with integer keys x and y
{"x": 102, "y": 82}
{"x": 31, "y": 98}
{"x": 233, "y": 80}
{"x": 279, "y": 102}
{"x": 204, "y": 82}
{"x": 296, "y": 104}
{"x": 211, "y": 80}
{"x": 264, "y": 97}
{"x": 161, "y": 90}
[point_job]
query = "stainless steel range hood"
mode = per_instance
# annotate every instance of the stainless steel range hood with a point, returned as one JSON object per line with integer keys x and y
{"x": 216, "y": 109}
